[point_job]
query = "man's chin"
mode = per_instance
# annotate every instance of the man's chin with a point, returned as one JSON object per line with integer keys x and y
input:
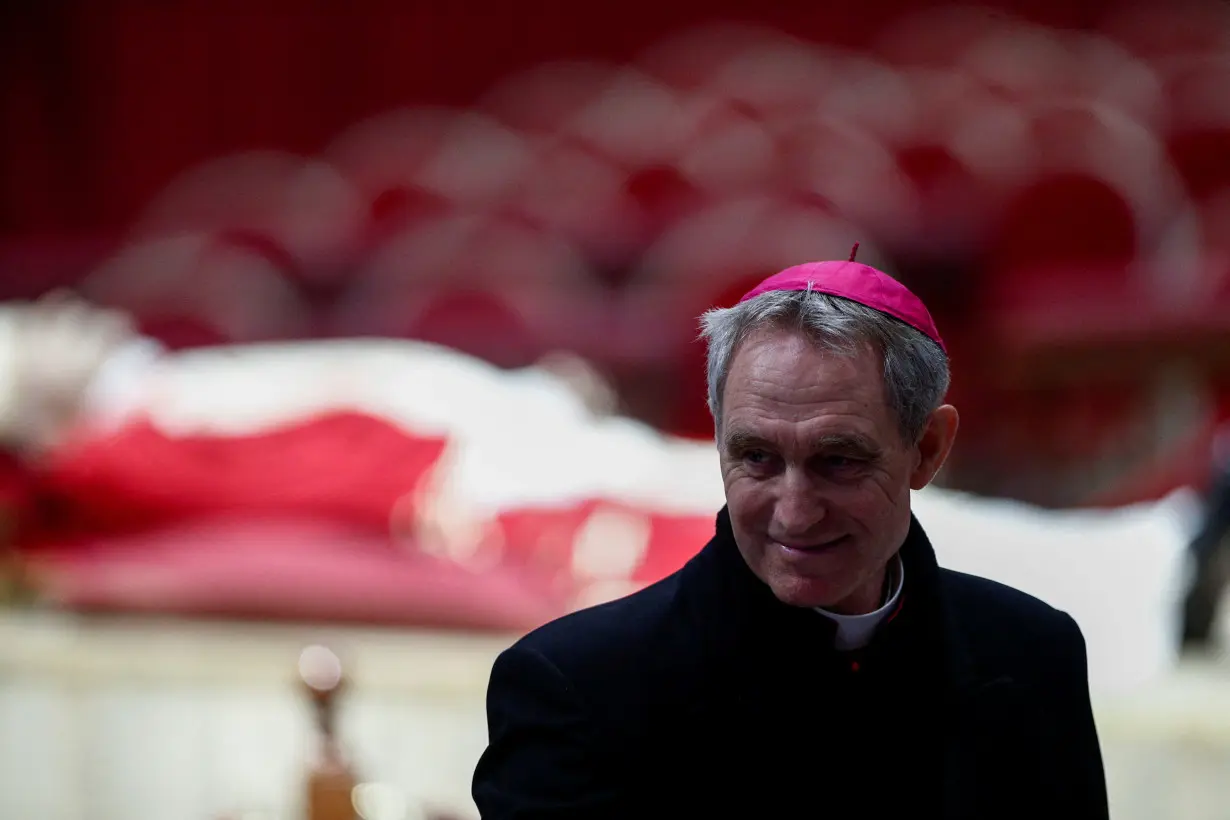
{"x": 807, "y": 593}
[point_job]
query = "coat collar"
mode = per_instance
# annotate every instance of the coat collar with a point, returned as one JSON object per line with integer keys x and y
{"x": 747, "y": 634}
{"x": 740, "y": 618}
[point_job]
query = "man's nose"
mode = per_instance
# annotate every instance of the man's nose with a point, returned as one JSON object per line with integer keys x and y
{"x": 799, "y": 508}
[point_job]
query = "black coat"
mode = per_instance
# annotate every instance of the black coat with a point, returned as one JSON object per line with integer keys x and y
{"x": 704, "y": 696}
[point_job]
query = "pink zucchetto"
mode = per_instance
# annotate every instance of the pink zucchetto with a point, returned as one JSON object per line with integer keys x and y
{"x": 858, "y": 283}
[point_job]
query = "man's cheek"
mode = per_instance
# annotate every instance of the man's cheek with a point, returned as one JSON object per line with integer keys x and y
{"x": 885, "y": 486}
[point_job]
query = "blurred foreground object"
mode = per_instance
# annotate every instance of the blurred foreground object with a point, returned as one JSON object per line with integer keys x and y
{"x": 53, "y": 352}
{"x": 17, "y": 584}
{"x": 15, "y": 587}
{"x": 331, "y": 784}
{"x": 258, "y": 482}
{"x": 183, "y": 719}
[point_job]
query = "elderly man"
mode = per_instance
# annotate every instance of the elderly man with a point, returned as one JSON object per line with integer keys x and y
{"x": 812, "y": 660}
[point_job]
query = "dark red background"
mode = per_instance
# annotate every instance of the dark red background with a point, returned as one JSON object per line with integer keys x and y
{"x": 104, "y": 101}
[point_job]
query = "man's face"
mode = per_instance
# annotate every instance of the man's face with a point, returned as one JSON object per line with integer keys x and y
{"x": 816, "y": 472}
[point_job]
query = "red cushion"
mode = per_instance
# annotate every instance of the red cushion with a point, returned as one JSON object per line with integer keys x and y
{"x": 251, "y": 567}
{"x": 545, "y": 539}
{"x": 342, "y": 465}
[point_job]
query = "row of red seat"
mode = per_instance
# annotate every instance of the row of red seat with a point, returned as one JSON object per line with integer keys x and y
{"x": 1037, "y": 186}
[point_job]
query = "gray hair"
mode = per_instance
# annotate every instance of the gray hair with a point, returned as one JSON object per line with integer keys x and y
{"x": 915, "y": 368}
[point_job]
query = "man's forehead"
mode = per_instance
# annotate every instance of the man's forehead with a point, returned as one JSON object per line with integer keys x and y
{"x": 783, "y": 390}
{"x": 821, "y": 407}
{"x": 777, "y": 363}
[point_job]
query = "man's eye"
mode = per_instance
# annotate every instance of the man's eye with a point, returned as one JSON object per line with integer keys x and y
{"x": 756, "y": 457}
{"x": 840, "y": 463}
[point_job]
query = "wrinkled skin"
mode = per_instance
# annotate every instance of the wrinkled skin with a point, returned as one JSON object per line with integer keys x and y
{"x": 816, "y": 471}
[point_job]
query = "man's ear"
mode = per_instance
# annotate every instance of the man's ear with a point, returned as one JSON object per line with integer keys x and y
{"x": 934, "y": 446}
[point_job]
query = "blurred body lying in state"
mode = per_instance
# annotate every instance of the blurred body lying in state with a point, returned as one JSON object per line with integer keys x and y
{"x": 394, "y": 481}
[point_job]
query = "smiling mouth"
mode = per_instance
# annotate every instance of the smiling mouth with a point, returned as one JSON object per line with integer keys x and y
{"x": 822, "y": 546}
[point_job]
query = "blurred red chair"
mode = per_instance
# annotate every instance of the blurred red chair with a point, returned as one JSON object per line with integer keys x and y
{"x": 1104, "y": 71}
{"x": 486, "y": 286}
{"x": 662, "y": 197}
{"x": 1214, "y": 238}
{"x": 932, "y": 37}
{"x": 1026, "y": 63}
{"x": 306, "y": 208}
{"x": 415, "y": 165}
{"x": 634, "y": 120}
{"x": 955, "y": 203}
{"x": 963, "y": 124}
{"x": 477, "y": 163}
{"x": 388, "y": 150}
{"x": 382, "y": 157}
{"x": 729, "y": 151}
{"x": 691, "y": 60}
{"x": 485, "y": 324}
{"x": 575, "y": 193}
{"x": 541, "y": 100}
{"x": 1020, "y": 63}
{"x": 198, "y": 289}
{"x": 1060, "y": 252}
{"x": 1158, "y": 32}
{"x": 873, "y": 96}
{"x": 626, "y": 140}
{"x": 1202, "y": 157}
{"x": 397, "y": 207}
{"x": 1198, "y": 128}
{"x": 775, "y": 79}
{"x": 1103, "y": 190}
{"x": 827, "y": 160}
{"x": 1066, "y": 219}
{"x": 1198, "y": 145}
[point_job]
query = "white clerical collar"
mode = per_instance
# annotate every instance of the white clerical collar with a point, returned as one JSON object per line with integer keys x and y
{"x": 856, "y": 631}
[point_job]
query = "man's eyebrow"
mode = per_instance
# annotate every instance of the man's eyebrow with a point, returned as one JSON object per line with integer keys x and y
{"x": 848, "y": 444}
{"x": 743, "y": 439}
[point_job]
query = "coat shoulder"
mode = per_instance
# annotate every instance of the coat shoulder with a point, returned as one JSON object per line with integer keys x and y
{"x": 611, "y": 639}
{"x": 994, "y": 599}
{"x": 1006, "y": 628}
